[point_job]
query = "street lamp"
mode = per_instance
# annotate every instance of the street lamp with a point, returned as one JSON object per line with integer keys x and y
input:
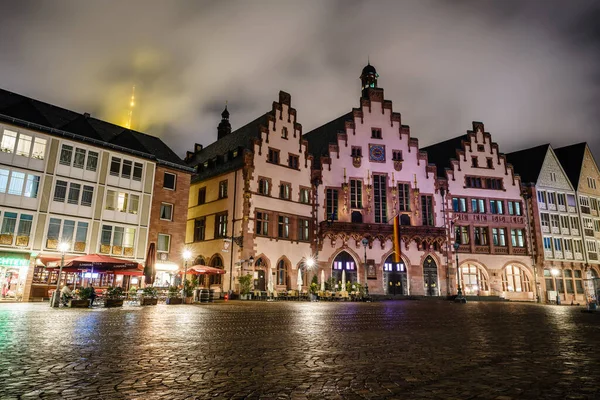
{"x": 365, "y": 242}
{"x": 459, "y": 296}
{"x": 63, "y": 247}
{"x": 187, "y": 255}
{"x": 555, "y": 272}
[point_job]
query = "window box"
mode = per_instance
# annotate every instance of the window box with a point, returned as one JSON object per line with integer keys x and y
{"x": 6, "y": 239}
{"x": 117, "y": 249}
{"x": 128, "y": 251}
{"x": 79, "y": 247}
{"x": 104, "y": 248}
{"x": 22, "y": 240}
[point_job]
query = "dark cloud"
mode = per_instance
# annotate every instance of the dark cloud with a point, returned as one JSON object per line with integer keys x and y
{"x": 527, "y": 69}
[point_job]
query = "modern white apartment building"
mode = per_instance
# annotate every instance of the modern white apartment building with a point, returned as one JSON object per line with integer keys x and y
{"x": 69, "y": 177}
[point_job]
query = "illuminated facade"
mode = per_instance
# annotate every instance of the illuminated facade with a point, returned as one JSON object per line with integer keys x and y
{"x": 73, "y": 178}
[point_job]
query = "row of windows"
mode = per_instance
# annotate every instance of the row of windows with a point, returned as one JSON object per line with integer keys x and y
{"x": 73, "y": 193}
{"x": 285, "y": 190}
{"x": 588, "y": 204}
{"x": 481, "y": 236}
{"x": 220, "y": 227}
{"x": 356, "y": 152}
{"x": 78, "y": 158}
{"x": 475, "y": 162}
{"x": 460, "y": 204}
{"x": 552, "y": 199}
{"x": 15, "y": 229}
{"x": 284, "y": 224}
{"x": 23, "y": 145}
{"x": 559, "y": 245}
{"x": 559, "y": 221}
{"x": 129, "y": 170}
{"x": 566, "y": 281}
{"x": 19, "y": 183}
{"x": 273, "y": 158}
{"x": 478, "y": 182}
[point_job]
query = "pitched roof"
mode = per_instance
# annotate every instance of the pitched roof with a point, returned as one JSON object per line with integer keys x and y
{"x": 320, "y": 138}
{"x": 528, "y": 163}
{"x": 571, "y": 159}
{"x": 441, "y": 153}
{"x": 218, "y": 154}
{"x": 30, "y": 113}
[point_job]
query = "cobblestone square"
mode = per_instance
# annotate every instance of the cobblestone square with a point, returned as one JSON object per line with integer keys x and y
{"x": 301, "y": 350}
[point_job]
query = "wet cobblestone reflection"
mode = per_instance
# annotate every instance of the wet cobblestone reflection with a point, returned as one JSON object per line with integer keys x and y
{"x": 289, "y": 350}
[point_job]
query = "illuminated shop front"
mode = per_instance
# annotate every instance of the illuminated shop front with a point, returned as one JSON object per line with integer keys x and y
{"x": 13, "y": 273}
{"x": 166, "y": 274}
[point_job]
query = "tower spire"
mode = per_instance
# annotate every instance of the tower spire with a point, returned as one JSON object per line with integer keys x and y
{"x": 224, "y": 127}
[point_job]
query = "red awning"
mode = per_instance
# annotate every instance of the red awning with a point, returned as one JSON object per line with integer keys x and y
{"x": 204, "y": 270}
{"x": 99, "y": 263}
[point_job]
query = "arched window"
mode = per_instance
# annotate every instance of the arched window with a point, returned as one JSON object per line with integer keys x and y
{"x": 282, "y": 273}
{"x": 260, "y": 263}
{"x": 199, "y": 261}
{"x": 473, "y": 279}
{"x": 515, "y": 279}
{"x": 216, "y": 262}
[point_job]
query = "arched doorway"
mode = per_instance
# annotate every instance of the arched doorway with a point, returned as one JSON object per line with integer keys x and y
{"x": 473, "y": 279}
{"x": 430, "y": 276}
{"x": 344, "y": 262}
{"x": 260, "y": 282}
{"x": 394, "y": 276}
{"x": 516, "y": 282}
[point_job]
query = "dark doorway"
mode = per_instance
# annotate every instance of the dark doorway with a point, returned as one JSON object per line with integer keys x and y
{"x": 395, "y": 277}
{"x": 344, "y": 262}
{"x": 260, "y": 283}
{"x": 430, "y": 276}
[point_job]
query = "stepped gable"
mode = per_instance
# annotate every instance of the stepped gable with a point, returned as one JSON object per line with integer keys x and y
{"x": 441, "y": 154}
{"x": 571, "y": 158}
{"x": 33, "y": 114}
{"x": 319, "y": 139}
{"x": 528, "y": 162}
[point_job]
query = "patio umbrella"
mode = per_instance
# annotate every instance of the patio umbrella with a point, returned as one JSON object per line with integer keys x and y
{"x": 299, "y": 282}
{"x": 150, "y": 267}
{"x": 101, "y": 263}
{"x": 270, "y": 284}
{"x": 204, "y": 270}
{"x": 343, "y": 280}
{"x": 322, "y": 280}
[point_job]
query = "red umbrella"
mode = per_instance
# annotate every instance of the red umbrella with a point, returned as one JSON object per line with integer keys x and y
{"x": 205, "y": 270}
{"x": 150, "y": 268}
{"x": 101, "y": 263}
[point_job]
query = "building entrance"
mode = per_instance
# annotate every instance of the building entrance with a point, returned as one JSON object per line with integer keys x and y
{"x": 395, "y": 278}
{"x": 430, "y": 276}
{"x": 344, "y": 262}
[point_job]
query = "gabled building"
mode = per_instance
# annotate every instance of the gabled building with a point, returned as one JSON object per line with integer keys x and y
{"x": 487, "y": 216}
{"x": 555, "y": 225}
{"x": 582, "y": 170}
{"x": 367, "y": 170}
{"x": 69, "y": 177}
{"x": 251, "y": 202}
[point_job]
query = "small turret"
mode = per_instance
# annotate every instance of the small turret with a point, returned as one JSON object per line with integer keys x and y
{"x": 224, "y": 127}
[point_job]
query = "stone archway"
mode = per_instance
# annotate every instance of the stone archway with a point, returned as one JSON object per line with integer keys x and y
{"x": 395, "y": 276}
{"x": 344, "y": 263}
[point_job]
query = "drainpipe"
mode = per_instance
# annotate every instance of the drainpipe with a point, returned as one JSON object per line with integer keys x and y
{"x": 528, "y": 196}
{"x": 232, "y": 232}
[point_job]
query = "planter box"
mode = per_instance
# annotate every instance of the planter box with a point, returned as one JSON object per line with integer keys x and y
{"x": 174, "y": 300}
{"x": 246, "y": 296}
{"x": 148, "y": 301}
{"x": 189, "y": 300}
{"x": 113, "y": 303}
{"x": 79, "y": 303}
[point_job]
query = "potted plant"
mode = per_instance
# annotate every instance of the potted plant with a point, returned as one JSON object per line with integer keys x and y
{"x": 330, "y": 283}
{"x": 246, "y": 282}
{"x": 114, "y": 297}
{"x": 84, "y": 298}
{"x": 173, "y": 296}
{"x": 314, "y": 288}
{"x": 149, "y": 297}
{"x": 188, "y": 291}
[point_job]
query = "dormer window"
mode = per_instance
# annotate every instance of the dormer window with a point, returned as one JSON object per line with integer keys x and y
{"x": 376, "y": 133}
{"x": 356, "y": 151}
{"x": 397, "y": 155}
{"x": 480, "y": 148}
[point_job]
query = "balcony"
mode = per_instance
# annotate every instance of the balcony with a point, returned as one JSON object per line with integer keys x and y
{"x": 382, "y": 232}
{"x": 588, "y": 232}
{"x": 555, "y": 229}
{"x": 558, "y": 254}
{"x": 562, "y": 208}
{"x": 593, "y": 256}
{"x": 578, "y": 256}
{"x": 482, "y": 249}
{"x": 545, "y": 229}
{"x": 568, "y": 255}
{"x": 575, "y": 232}
{"x": 564, "y": 231}
{"x": 519, "y": 251}
{"x": 548, "y": 254}
{"x": 571, "y": 209}
{"x": 500, "y": 250}
{"x": 552, "y": 207}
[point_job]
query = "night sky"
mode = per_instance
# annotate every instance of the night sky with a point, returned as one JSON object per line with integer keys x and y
{"x": 530, "y": 70}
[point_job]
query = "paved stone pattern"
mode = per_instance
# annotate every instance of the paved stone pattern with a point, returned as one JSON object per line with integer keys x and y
{"x": 292, "y": 350}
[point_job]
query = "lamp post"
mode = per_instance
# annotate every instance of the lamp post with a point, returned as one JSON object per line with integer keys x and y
{"x": 63, "y": 247}
{"x": 459, "y": 295}
{"x": 187, "y": 255}
{"x": 554, "y": 275}
{"x": 365, "y": 242}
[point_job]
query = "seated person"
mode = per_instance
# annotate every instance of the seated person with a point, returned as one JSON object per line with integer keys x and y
{"x": 66, "y": 294}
